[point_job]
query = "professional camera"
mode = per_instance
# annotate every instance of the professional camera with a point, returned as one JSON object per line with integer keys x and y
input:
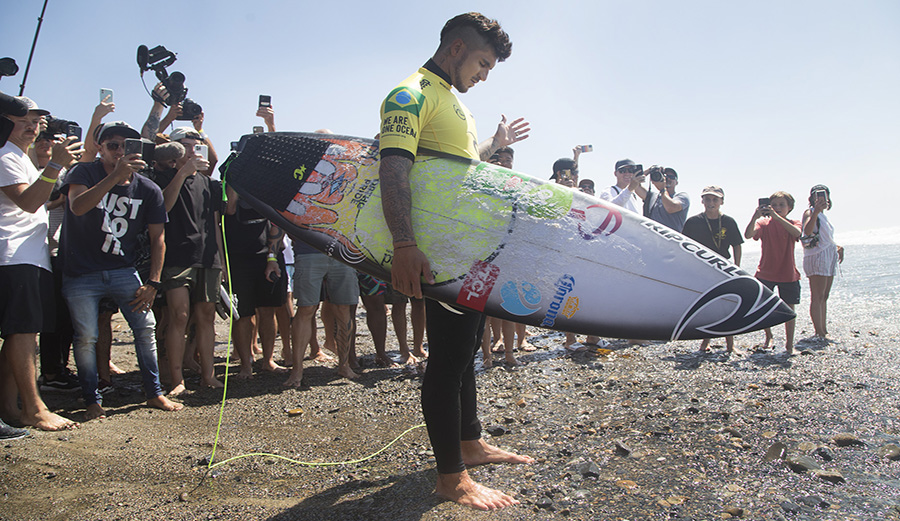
{"x": 157, "y": 59}
{"x": 190, "y": 109}
{"x": 57, "y": 126}
{"x": 657, "y": 174}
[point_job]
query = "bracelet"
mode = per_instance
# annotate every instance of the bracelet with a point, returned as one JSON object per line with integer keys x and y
{"x": 404, "y": 244}
{"x": 272, "y": 258}
{"x": 53, "y": 165}
{"x": 48, "y": 179}
{"x": 411, "y": 245}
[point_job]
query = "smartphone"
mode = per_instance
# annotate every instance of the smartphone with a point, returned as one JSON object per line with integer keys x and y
{"x": 265, "y": 100}
{"x": 202, "y": 151}
{"x": 258, "y": 130}
{"x": 149, "y": 151}
{"x": 104, "y": 93}
{"x": 763, "y": 201}
{"x": 74, "y": 130}
{"x": 586, "y": 148}
{"x": 134, "y": 146}
{"x": 638, "y": 170}
{"x": 821, "y": 194}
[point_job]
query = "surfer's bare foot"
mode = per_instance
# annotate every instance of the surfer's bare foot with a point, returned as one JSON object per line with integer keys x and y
{"x": 47, "y": 421}
{"x": 478, "y": 452}
{"x": 94, "y": 411}
{"x": 287, "y": 358}
{"x": 488, "y": 362}
{"x": 347, "y": 372}
{"x": 256, "y": 350}
{"x": 527, "y": 346}
{"x": 734, "y": 352}
{"x": 114, "y": 369}
{"x": 704, "y": 346}
{"x": 420, "y": 353}
{"x": 511, "y": 360}
{"x": 164, "y": 404}
{"x": 460, "y": 488}
{"x": 178, "y": 389}
{"x": 213, "y": 383}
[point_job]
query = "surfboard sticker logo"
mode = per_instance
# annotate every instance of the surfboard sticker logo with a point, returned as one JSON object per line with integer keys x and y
{"x": 322, "y": 203}
{"x": 589, "y": 223}
{"x": 753, "y": 306}
{"x": 564, "y": 285}
{"x": 478, "y": 285}
{"x": 520, "y": 298}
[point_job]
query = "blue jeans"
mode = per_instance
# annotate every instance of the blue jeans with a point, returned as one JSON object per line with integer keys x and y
{"x": 83, "y": 294}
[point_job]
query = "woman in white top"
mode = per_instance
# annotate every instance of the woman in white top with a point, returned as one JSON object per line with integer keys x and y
{"x": 820, "y": 255}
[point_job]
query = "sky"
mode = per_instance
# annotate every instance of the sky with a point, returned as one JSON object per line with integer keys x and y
{"x": 751, "y": 96}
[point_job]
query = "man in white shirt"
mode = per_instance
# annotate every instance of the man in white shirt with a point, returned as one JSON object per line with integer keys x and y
{"x": 627, "y": 192}
{"x": 25, "y": 278}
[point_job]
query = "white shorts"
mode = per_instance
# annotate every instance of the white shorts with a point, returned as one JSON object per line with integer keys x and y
{"x": 823, "y": 263}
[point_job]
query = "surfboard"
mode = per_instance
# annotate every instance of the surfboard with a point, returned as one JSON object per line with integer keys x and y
{"x": 502, "y": 242}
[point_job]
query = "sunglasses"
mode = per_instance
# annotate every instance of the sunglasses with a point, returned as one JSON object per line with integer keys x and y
{"x": 629, "y": 169}
{"x": 112, "y": 146}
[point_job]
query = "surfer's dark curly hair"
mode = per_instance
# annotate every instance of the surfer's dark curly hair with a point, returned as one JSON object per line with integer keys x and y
{"x": 487, "y": 28}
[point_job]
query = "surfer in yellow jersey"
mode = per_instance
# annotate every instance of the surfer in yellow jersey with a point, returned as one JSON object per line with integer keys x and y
{"x": 423, "y": 112}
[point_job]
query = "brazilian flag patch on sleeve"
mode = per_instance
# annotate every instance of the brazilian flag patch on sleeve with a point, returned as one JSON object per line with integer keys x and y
{"x": 404, "y": 99}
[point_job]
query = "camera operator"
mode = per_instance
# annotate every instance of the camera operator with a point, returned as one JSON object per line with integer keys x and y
{"x": 665, "y": 206}
{"x": 154, "y": 124}
{"x": 25, "y": 278}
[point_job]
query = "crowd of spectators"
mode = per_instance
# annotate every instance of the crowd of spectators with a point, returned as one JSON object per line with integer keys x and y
{"x": 88, "y": 230}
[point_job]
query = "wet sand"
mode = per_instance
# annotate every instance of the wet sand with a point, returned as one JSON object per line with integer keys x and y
{"x": 653, "y": 432}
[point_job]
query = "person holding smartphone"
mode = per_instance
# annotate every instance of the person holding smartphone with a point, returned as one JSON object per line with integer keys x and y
{"x": 109, "y": 205}
{"x": 778, "y": 235}
{"x": 820, "y": 256}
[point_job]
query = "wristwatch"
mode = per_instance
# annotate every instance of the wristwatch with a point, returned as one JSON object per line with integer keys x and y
{"x": 155, "y": 284}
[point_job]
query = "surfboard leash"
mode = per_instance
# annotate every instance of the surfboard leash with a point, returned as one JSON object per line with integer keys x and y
{"x": 210, "y": 465}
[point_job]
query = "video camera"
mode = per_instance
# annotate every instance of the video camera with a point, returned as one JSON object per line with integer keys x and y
{"x": 57, "y": 126}
{"x": 157, "y": 59}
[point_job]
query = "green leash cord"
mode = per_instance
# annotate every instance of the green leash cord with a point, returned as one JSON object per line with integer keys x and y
{"x": 212, "y": 456}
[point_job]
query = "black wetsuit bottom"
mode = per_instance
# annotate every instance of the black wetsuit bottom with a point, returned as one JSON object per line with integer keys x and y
{"x": 448, "y": 387}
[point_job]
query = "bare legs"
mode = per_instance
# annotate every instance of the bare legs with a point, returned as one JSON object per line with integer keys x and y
{"x": 19, "y": 380}
{"x": 819, "y": 290}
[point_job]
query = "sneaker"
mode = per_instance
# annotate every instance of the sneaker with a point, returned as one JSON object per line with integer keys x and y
{"x": 11, "y": 433}
{"x": 104, "y": 386}
{"x": 63, "y": 382}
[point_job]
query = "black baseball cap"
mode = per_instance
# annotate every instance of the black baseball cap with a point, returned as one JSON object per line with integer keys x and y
{"x": 624, "y": 162}
{"x": 116, "y": 128}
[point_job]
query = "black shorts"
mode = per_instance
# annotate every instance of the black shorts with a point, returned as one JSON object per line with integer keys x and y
{"x": 248, "y": 282}
{"x": 789, "y": 292}
{"x": 26, "y": 305}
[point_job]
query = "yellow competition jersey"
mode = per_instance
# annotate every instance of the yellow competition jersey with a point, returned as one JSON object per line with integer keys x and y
{"x": 423, "y": 112}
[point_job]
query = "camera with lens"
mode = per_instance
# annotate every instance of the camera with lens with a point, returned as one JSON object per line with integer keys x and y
{"x": 657, "y": 174}
{"x": 157, "y": 59}
{"x": 57, "y": 126}
{"x": 190, "y": 109}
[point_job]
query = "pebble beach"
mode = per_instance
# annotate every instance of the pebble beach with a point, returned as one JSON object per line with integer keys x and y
{"x": 659, "y": 431}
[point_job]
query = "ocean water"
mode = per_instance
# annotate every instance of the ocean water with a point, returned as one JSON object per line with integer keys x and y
{"x": 866, "y": 289}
